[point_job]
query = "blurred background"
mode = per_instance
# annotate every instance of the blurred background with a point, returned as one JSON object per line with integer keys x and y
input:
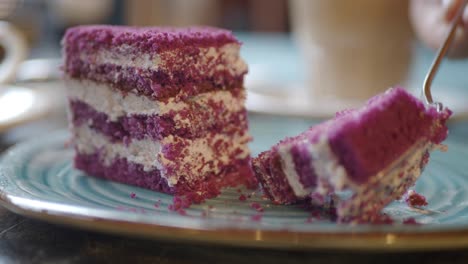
{"x": 306, "y": 58}
{"x": 44, "y": 21}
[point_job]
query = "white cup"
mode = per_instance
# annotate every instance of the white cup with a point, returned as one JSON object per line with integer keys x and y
{"x": 354, "y": 49}
{"x": 14, "y": 46}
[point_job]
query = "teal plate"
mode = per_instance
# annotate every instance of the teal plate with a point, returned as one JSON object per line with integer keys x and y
{"x": 37, "y": 180}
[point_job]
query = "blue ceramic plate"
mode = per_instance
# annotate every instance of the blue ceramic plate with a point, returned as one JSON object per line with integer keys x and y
{"x": 37, "y": 180}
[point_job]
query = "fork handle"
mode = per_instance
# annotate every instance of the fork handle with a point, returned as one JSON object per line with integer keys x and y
{"x": 441, "y": 53}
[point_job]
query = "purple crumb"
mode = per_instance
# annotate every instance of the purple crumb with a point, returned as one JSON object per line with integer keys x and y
{"x": 179, "y": 203}
{"x": 131, "y": 209}
{"x": 158, "y": 203}
{"x": 414, "y": 199}
{"x": 410, "y": 221}
{"x": 133, "y": 195}
{"x": 377, "y": 219}
{"x": 242, "y": 198}
{"x": 256, "y": 217}
{"x": 258, "y": 207}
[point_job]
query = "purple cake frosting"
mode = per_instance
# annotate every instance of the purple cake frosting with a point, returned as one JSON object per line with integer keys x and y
{"x": 376, "y": 152}
{"x": 159, "y": 108}
{"x": 148, "y": 39}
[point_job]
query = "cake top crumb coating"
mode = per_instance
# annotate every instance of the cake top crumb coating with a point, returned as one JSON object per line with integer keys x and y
{"x": 148, "y": 39}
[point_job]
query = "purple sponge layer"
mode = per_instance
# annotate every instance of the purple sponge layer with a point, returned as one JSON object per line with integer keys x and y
{"x": 120, "y": 170}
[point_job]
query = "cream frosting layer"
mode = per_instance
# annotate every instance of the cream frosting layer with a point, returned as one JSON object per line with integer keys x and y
{"x": 119, "y": 55}
{"x": 115, "y": 104}
{"x": 289, "y": 170}
{"x": 142, "y": 152}
{"x": 192, "y": 161}
{"x": 327, "y": 166}
{"x": 395, "y": 177}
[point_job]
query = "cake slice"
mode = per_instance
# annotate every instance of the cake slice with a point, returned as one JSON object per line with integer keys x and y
{"x": 159, "y": 108}
{"x": 367, "y": 157}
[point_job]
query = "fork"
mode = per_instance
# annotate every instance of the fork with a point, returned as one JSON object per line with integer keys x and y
{"x": 440, "y": 55}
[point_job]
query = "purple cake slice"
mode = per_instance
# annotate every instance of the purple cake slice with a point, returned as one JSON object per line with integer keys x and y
{"x": 369, "y": 156}
{"x": 159, "y": 108}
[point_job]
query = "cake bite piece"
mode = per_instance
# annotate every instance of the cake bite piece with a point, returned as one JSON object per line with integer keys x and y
{"x": 158, "y": 108}
{"x": 359, "y": 161}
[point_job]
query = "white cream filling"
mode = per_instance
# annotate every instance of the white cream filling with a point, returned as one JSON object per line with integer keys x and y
{"x": 290, "y": 172}
{"x": 333, "y": 175}
{"x": 229, "y": 53}
{"x": 201, "y": 152}
{"x": 408, "y": 164}
{"x": 148, "y": 152}
{"x": 327, "y": 165}
{"x": 115, "y": 104}
{"x": 142, "y": 152}
{"x": 117, "y": 56}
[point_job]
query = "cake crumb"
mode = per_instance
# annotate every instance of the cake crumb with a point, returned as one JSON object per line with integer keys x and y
{"x": 179, "y": 203}
{"x": 410, "y": 221}
{"x": 182, "y": 212}
{"x": 258, "y": 207}
{"x": 382, "y": 219}
{"x": 158, "y": 203}
{"x": 414, "y": 199}
{"x": 373, "y": 219}
{"x": 256, "y": 217}
{"x": 131, "y": 209}
{"x": 242, "y": 198}
{"x": 133, "y": 195}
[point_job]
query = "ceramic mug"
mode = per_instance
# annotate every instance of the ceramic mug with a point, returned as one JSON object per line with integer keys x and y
{"x": 353, "y": 49}
{"x": 14, "y": 49}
